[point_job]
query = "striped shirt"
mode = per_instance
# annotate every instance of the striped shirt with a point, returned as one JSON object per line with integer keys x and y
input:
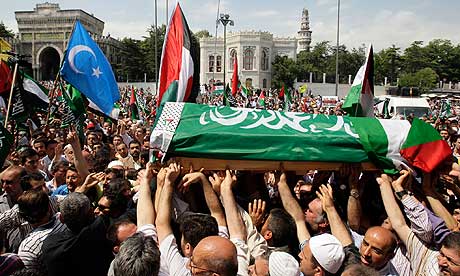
{"x": 18, "y": 227}
{"x": 424, "y": 261}
{"x": 30, "y": 250}
{"x": 422, "y": 228}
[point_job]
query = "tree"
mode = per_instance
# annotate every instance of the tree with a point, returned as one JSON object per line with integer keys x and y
{"x": 387, "y": 64}
{"x": 4, "y": 31}
{"x": 134, "y": 65}
{"x": 148, "y": 49}
{"x": 284, "y": 71}
{"x": 415, "y": 58}
{"x": 425, "y": 79}
{"x": 202, "y": 34}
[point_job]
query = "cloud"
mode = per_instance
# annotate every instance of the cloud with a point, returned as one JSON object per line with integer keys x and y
{"x": 383, "y": 29}
{"x": 265, "y": 13}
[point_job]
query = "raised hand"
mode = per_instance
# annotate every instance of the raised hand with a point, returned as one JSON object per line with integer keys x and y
{"x": 400, "y": 182}
{"x": 325, "y": 194}
{"x": 256, "y": 211}
{"x": 216, "y": 181}
{"x": 172, "y": 172}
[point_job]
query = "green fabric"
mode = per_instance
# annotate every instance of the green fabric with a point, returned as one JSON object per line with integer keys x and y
{"x": 420, "y": 133}
{"x": 235, "y": 134}
{"x": 352, "y": 104}
{"x": 74, "y": 113}
{"x": 374, "y": 141}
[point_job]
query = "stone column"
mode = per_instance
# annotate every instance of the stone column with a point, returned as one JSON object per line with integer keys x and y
{"x": 349, "y": 79}
{"x": 450, "y": 85}
{"x": 311, "y": 77}
{"x": 324, "y": 77}
{"x": 386, "y": 81}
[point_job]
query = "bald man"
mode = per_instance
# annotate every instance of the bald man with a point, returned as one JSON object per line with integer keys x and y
{"x": 216, "y": 255}
{"x": 377, "y": 249}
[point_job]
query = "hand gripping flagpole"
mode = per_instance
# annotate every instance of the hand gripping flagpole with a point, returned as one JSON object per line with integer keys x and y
{"x": 11, "y": 93}
{"x": 51, "y": 95}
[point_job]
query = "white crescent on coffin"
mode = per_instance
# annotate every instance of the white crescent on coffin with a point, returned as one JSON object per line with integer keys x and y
{"x": 74, "y": 51}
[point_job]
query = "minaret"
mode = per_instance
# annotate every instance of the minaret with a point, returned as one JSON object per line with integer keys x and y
{"x": 304, "y": 35}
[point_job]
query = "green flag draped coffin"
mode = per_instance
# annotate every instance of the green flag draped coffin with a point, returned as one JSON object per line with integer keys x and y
{"x": 201, "y": 131}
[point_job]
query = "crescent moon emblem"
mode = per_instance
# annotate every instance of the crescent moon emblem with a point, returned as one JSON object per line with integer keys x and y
{"x": 74, "y": 51}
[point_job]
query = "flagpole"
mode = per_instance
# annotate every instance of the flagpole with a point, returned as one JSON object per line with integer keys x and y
{"x": 11, "y": 93}
{"x": 167, "y": 15}
{"x": 215, "y": 41}
{"x": 156, "y": 47}
{"x": 337, "y": 51}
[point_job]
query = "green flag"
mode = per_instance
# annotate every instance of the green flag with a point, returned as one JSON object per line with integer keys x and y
{"x": 190, "y": 130}
{"x": 287, "y": 100}
{"x": 74, "y": 114}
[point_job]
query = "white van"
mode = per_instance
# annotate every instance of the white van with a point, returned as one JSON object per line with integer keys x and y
{"x": 404, "y": 106}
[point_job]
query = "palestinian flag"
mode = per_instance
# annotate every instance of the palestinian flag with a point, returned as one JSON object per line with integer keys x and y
{"x": 423, "y": 147}
{"x": 35, "y": 95}
{"x": 133, "y": 110}
{"x": 235, "y": 77}
{"x": 177, "y": 65}
{"x": 6, "y": 77}
{"x": 261, "y": 99}
{"x": 190, "y": 130}
{"x": 281, "y": 94}
{"x": 360, "y": 100}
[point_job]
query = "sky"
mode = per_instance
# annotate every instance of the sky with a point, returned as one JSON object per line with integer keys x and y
{"x": 382, "y": 23}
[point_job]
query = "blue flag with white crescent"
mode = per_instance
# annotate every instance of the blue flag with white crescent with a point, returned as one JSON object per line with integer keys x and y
{"x": 87, "y": 69}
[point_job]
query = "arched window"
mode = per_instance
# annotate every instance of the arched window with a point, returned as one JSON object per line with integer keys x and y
{"x": 218, "y": 63}
{"x": 232, "y": 58}
{"x": 264, "y": 60}
{"x": 211, "y": 64}
{"x": 248, "y": 59}
{"x": 264, "y": 83}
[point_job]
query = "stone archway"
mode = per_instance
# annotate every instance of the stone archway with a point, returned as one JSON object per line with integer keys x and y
{"x": 49, "y": 62}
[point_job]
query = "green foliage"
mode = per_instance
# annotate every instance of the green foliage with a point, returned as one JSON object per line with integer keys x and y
{"x": 425, "y": 79}
{"x": 387, "y": 63}
{"x": 321, "y": 59}
{"x": 4, "y": 31}
{"x": 202, "y": 34}
{"x": 285, "y": 71}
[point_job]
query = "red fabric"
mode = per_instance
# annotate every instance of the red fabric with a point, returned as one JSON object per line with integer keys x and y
{"x": 6, "y": 78}
{"x": 281, "y": 95}
{"x": 132, "y": 100}
{"x": 427, "y": 156}
{"x": 171, "y": 61}
{"x": 235, "y": 77}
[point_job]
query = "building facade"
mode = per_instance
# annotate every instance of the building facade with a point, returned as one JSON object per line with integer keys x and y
{"x": 304, "y": 34}
{"x": 255, "y": 52}
{"x": 45, "y": 32}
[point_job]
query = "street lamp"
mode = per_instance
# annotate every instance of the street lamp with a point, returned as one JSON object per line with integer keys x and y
{"x": 225, "y": 20}
{"x": 337, "y": 51}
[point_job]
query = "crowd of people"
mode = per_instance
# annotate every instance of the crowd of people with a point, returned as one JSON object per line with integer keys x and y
{"x": 97, "y": 206}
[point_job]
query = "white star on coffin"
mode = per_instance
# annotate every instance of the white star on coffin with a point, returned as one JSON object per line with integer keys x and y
{"x": 96, "y": 72}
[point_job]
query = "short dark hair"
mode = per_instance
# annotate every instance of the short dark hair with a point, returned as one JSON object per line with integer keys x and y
{"x": 50, "y": 142}
{"x": 139, "y": 256}
{"x": 40, "y": 140}
{"x": 59, "y": 164}
{"x": 33, "y": 205}
{"x": 26, "y": 153}
{"x": 282, "y": 226}
{"x": 134, "y": 142}
{"x": 195, "y": 227}
{"x": 115, "y": 194}
{"x": 452, "y": 241}
{"x": 76, "y": 211}
{"x": 118, "y": 173}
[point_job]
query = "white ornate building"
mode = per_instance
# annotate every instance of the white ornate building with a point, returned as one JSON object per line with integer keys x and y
{"x": 255, "y": 52}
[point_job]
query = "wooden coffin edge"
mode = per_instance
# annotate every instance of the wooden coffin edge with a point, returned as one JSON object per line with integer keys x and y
{"x": 261, "y": 165}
